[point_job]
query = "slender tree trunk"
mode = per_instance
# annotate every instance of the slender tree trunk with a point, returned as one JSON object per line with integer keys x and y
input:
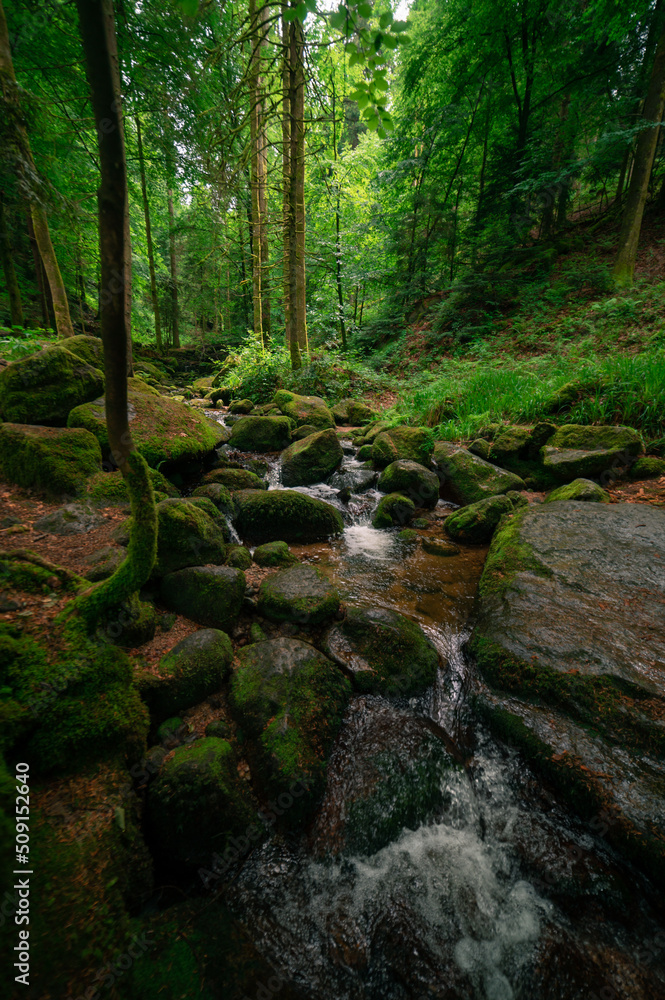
{"x": 624, "y": 266}
{"x": 98, "y": 37}
{"x": 255, "y": 116}
{"x": 175, "y": 328}
{"x": 298, "y": 287}
{"x": 362, "y": 306}
{"x": 148, "y": 236}
{"x": 338, "y": 244}
{"x": 286, "y": 188}
{"x": 243, "y": 271}
{"x": 39, "y": 272}
{"x": 13, "y": 290}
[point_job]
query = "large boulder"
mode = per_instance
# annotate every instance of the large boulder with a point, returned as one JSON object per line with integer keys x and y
{"x": 300, "y": 594}
{"x": 577, "y": 451}
{"x": 197, "y": 803}
{"x": 353, "y": 413}
{"x": 53, "y": 460}
{"x": 186, "y": 536}
{"x": 110, "y": 487}
{"x": 274, "y": 554}
{"x": 412, "y": 443}
{"x": 235, "y": 479}
{"x": 289, "y": 699}
{"x": 43, "y": 388}
{"x": 470, "y": 477}
{"x": 217, "y": 494}
{"x": 89, "y": 349}
{"x": 312, "y": 459}
{"x": 579, "y": 489}
{"x": 285, "y": 515}
{"x": 168, "y": 434}
{"x": 304, "y": 409}
{"x": 571, "y": 639}
{"x": 477, "y": 521}
{"x": 188, "y": 673}
{"x": 355, "y": 480}
{"x": 393, "y": 509}
{"x": 382, "y": 650}
{"x": 261, "y": 433}
{"x": 209, "y": 595}
{"x": 413, "y": 480}
{"x": 72, "y": 519}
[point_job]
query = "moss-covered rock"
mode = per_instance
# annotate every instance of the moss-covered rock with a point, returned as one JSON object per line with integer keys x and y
{"x": 470, "y": 478}
{"x": 408, "y": 536}
{"x": 235, "y": 479}
{"x": 209, "y": 595}
{"x": 213, "y": 512}
{"x": 289, "y": 698}
{"x": 440, "y": 547}
{"x": 477, "y": 521}
{"x": 300, "y": 594}
{"x": 110, "y": 488}
{"x": 303, "y": 432}
{"x": 412, "y": 480}
{"x": 242, "y": 406}
{"x": 168, "y": 434}
{"x": 266, "y": 516}
{"x": 647, "y": 467}
{"x": 353, "y": 413}
{"x": 364, "y": 453}
{"x": 217, "y": 494}
{"x": 572, "y": 392}
{"x": 312, "y": 459}
{"x": 130, "y": 624}
{"x": 304, "y": 409}
{"x": 384, "y": 450}
{"x": 412, "y": 443}
{"x": 274, "y": 554}
{"x": 261, "y": 433}
{"x": 577, "y": 451}
{"x": 198, "y": 803}
{"x": 239, "y": 557}
{"x": 103, "y": 563}
{"x": 89, "y": 349}
{"x": 511, "y": 442}
{"x": 54, "y": 460}
{"x": 186, "y": 536}
{"x": 579, "y": 489}
{"x": 188, "y": 673}
{"x": 393, "y": 509}
{"x": 44, "y": 387}
{"x": 382, "y": 651}
{"x": 481, "y": 448}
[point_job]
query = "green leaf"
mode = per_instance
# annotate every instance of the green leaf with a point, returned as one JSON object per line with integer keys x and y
{"x": 338, "y": 19}
{"x": 311, "y": 6}
{"x": 378, "y": 38}
{"x": 385, "y": 20}
{"x": 351, "y": 47}
{"x": 189, "y": 7}
{"x": 354, "y": 59}
{"x": 301, "y": 11}
{"x": 403, "y": 40}
{"x": 382, "y": 134}
{"x": 400, "y": 26}
{"x": 290, "y": 14}
{"x": 387, "y": 121}
{"x": 369, "y": 112}
{"x": 365, "y": 9}
{"x": 380, "y": 83}
{"x": 362, "y": 101}
{"x": 373, "y": 124}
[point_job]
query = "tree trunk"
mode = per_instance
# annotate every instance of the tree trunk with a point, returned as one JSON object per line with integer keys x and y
{"x": 175, "y": 329}
{"x": 148, "y": 237}
{"x": 98, "y": 37}
{"x": 39, "y": 273}
{"x": 297, "y": 188}
{"x": 624, "y": 266}
{"x": 286, "y": 188}
{"x": 13, "y": 291}
{"x": 338, "y": 244}
{"x": 255, "y": 115}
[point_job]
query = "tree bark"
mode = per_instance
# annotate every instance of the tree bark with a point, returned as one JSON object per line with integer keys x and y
{"x": 13, "y": 290}
{"x": 175, "y": 328}
{"x": 98, "y": 37}
{"x": 636, "y": 196}
{"x": 338, "y": 244}
{"x": 286, "y": 187}
{"x": 39, "y": 272}
{"x": 297, "y": 186}
{"x": 148, "y": 236}
{"x": 255, "y": 116}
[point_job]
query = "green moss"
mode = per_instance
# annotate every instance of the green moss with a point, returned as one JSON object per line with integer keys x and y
{"x": 384, "y": 451}
{"x": 299, "y": 594}
{"x": 470, "y": 477}
{"x": 235, "y": 479}
{"x": 511, "y": 442}
{"x": 187, "y": 536}
{"x": 241, "y": 406}
{"x": 209, "y": 595}
{"x": 89, "y": 349}
{"x": 413, "y": 479}
{"x": 110, "y": 487}
{"x": 393, "y": 509}
{"x": 647, "y": 468}
{"x": 188, "y": 673}
{"x": 43, "y": 388}
{"x": 219, "y": 495}
{"x": 19, "y": 574}
{"x": 507, "y": 556}
{"x": 52, "y": 460}
{"x": 264, "y": 516}
{"x": 239, "y": 556}
{"x": 477, "y": 521}
{"x": 580, "y": 489}
{"x": 304, "y": 409}
{"x": 364, "y": 453}
{"x": 312, "y": 459}
{"x": 274, "y": 554}
{"x": 261, "y": 433}
{"x": 593, "y": 438}
{"x": 408, "y": 536}
{"x": 481, "y": 448}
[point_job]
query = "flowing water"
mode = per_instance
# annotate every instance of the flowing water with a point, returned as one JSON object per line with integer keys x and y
{"x": 494, "y": 891}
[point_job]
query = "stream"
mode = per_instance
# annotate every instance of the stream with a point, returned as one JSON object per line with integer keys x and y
{"x": 497, "y": 891}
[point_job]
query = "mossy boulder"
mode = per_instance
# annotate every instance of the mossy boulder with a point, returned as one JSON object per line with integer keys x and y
{"x": 364, "y": 453}
{"x": 304, "y": 409}
{"x": 411, "y": 479}
{"x": 89, "y": 349}
{"x": 647, "y": 467}
{"x": 213, "y": 512}
{"x": 574, "y": 391}
{"x": 412, "y": 443}
{"x": 239, "y": 556}
{"x": 289, "y": 699}
{"x": 103, "y": 563}
{"x": 477, "y": 521}
{"x": 274, "y": 554}
{"x": 286, "y": 515}
{"x": 53, "y": 460}
{"x": 197, "y": 803}
{"x": 300, "y": 594}
{"x": 470, "y": 478}
{"x": 383, "y": 651}
{"x": 303, "y": 432}
{"x": 511, "y": 442}
{"x": 481, "y": 448}
{"x": 188, "y": 673}
{"x": 261, "y": 433}
{"x": 110, "y": 488}
{"x": 577, "y": 451}
{"x": 393, "y": 509}
{"x": 384, "y": 450}
{"x": 235, "y": 479}
{"x": 209, "y": 595}
{"x": 44, "y": 387}
{"x": 186, "y": 536}
{"x": 218, "y": 494}
{"x": 408, "y": 536}
{"x": 168, "y": 434}
{"x": 72, "y": 519}
{"x": 579, "y": 489}
{"x": 352, "y": 413}
{"x": 242, "y": 406}
{"x": 312, "y": 459}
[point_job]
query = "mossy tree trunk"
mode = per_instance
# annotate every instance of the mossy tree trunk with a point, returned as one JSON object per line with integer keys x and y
{"x": 98, "y": 37}
{"x": 638, "y": 189}
{"x": 148, "y": 236}
{"x": 286, "y": 181}
{"x": 294, "y": 186}
{"x": 13, "y": 290}
{"x": 26, "y": 167}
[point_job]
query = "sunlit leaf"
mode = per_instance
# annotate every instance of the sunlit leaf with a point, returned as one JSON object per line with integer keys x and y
{"x": 385, "y": 20}
{"x": 301, "y": 11}
{"x": 189, "y": 7}
{"x": 338, "y": 19}
{"x": 365, "y": 9}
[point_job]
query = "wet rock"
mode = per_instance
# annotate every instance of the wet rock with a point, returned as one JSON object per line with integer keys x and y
{"x": 285, "y": 515}
{"x": 440, "y": 547}
{"x": 412, "y": 443}
{"x": 289, "y": 699}
{"x": 274, "y": 554}
{"x": 382, "y": 651}
{"x": 209, "y": 595}
{"x": 393, "y": 509}
{"x": 365, "y": 453}
{"x": 45, "y": 386}
{"x": 353, "y": 413}
{"x": 469, "y": 477}
{"x": 408, "y": 536}
{"x": 54, "y": 460}
{"x": 198, "y": 803}
{"x": 312, "y": 459}
{"x": 577, "y": 451}
{"x": 261, "y": 433}
{"x": 304, "y": 409}
{"x": 477, "y": 522}
{"x": 187, "y": 536}
{"x": 188, "y": 673}
{"x": 354, "y": 480}
{"x": 411, "y": 479}
{"x": 241, "y": 406}
{"x": 220, "y": 495}
{"x": 304, "y": 431}
{"x": 235, "y": 479}
{"x": 300, "y": 594}
{"x": 239, "y": 556}
{"x": 72, "y": 519}
{"x": 579, "y": 489}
